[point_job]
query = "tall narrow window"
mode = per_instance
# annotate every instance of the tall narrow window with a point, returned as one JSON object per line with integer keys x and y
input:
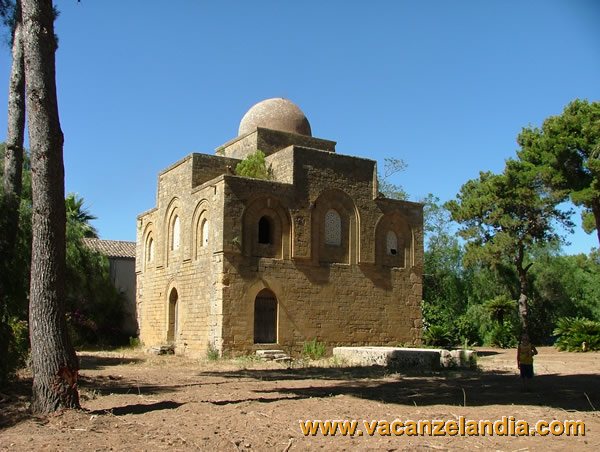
{"x": 265, "y": 233}
{"x": 391, "y": 243}
{"x": 204, "y": 229}
{"x": 150, "y": 250}
{"x": 333, "y": 228}
{"x": 175, "y": 234}
{"x": 173, "y": 320}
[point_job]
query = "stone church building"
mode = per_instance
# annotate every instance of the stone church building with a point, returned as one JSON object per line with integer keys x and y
{"x": 237, "y": 264}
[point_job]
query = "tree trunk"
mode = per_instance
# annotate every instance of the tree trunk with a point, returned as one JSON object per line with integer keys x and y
{"x": 523, "y": 290}
{"x": 54, "y": 363}
{"x": 596, "y": 212}
{"x": 523, "y": 302}
{"x": 13, "y": 157}
{"x": 13, "y": 172}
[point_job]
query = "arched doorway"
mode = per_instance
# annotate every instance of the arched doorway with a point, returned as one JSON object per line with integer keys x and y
{"x": 173, "y": 314}
{"x": 265, "y": 318}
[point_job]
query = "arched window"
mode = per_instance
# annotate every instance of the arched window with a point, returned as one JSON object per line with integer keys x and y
{"x": 204, "y": 236}
{"x": 265, "y": 230}
{"x": 150, "y": 250}
{"x": 176, "y": 232}
{"x": 391, "y": 243}
{"x": 333, "y": 228}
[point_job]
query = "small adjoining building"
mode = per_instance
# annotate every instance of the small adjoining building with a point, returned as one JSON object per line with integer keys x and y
{"x": 121, "y": 261}
{"x": 237, "y": 264}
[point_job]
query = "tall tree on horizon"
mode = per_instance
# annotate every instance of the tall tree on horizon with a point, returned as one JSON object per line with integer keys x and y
{"x": 502, "y": 217}
{"x": 566, "y": 153}
{"x": 53, "y": 360}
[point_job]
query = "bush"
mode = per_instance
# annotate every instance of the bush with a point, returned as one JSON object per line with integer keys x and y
{"x": 94, "y": 307}
{"x": 254, "y": 166}
{"x": 438, "y": 335}
{"x": 212, "y": 354}
{"x": 501, "y": 335}
{"x": 14, "y": 343}
{"x": 572, "y": 332}
{"x": 467, "y": 329}
{"x": 313, "y": 349}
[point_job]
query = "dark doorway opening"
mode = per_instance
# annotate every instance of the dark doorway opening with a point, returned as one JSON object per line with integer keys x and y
{"x": 265, "y": 318}
{"x": 172, "y": 325}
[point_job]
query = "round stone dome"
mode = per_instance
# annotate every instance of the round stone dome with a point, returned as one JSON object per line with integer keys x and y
{"x": 277, "y": 114}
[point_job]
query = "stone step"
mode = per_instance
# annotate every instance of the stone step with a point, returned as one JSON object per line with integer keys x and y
{"x": 273, "y": 355}
{"x": 162, "y": 350}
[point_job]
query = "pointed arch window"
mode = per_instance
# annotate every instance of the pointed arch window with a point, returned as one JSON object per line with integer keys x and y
{"x": 333, "y": 228}
{"x": 175, "y": 233}
{"x": 150, "y": 250}
{"x": 204, "y": 233}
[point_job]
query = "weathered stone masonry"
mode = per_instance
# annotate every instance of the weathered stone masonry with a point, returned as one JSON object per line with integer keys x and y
{"x": 238, "y": 264}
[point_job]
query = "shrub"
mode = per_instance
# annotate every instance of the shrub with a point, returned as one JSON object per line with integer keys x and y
{"x": 212, "y": 354}
{"x": 501, "y": 335}
{"x": 572, "y": 332}
{"x": 313, "y": 349}
{"x": 439, "y": 335}
{"x": 14, "y": 338}
{"x": 254, "y": 166}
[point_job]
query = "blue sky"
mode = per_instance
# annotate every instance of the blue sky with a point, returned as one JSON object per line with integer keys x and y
{"x": 444, "y": 85}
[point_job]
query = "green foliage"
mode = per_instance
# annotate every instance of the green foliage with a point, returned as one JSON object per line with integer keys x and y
{"x": 386, "y": 188}
{"x": 572, "y": 332}
{"x": 566, "y": 153}
{"x": 503, "y": 218}
{"x": 255, "y": 166}
{"x": 313, "y": 349}
{"x": 78, "y": 217}
{"x": 94, "y": 307}
{"x": 439, "y": 335}
{"x": 503, "y": 215}
{"x": 14, "y": 336}
{"x": 500, "y": 308}
{"x": 503, "y": 335}
{"x": 212, "y": 354}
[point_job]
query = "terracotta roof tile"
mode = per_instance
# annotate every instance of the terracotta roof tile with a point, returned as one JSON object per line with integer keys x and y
{"x": 112, "y": 248}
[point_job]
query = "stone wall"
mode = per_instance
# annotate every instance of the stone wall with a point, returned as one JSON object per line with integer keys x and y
{"x": 337, "y": 305}
{"x": 189, "y": 270}
{"x": 357, "y": 293}
{"x": 270, "y": 141}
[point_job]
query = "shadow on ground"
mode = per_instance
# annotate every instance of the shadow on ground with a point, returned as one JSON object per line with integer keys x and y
{"x": 14, "y": 404}
{"x": 580, "y": 392}
{"x": 90, "y": 362}
{"x": 139, "y": 408}
{"x": 109, "y": 384}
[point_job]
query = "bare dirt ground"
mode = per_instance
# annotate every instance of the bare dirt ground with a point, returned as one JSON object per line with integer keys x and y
{"x": 133, "y": 401}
